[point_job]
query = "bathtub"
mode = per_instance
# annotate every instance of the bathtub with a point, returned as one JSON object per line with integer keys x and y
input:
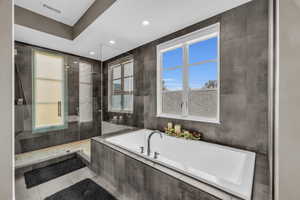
{"x": 228, "y": 169}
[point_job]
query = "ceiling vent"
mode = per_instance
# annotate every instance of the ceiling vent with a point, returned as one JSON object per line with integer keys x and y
{"x": 51, "y": 8}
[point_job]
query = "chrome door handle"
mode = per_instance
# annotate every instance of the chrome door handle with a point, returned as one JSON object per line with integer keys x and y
{"x": 59, "y": 108}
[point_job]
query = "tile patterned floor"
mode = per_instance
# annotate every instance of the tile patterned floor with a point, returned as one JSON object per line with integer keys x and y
{"x": 51, "y": 152}
{"x": 44, "y": 190}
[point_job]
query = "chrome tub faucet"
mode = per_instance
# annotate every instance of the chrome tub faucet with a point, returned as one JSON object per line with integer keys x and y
{"x": 149, "y": 138}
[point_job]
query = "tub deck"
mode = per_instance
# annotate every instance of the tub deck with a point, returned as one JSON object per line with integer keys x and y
{"x": 260, "y": 187}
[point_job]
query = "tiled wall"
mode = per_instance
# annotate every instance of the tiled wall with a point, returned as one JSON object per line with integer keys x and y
{"x": 25, "y": 139}
{"x": 244, "y": 80}
{"x": 137, "y": 117}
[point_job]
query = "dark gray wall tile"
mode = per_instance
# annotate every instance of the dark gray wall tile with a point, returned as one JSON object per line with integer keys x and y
{"x": 244, "y": 80}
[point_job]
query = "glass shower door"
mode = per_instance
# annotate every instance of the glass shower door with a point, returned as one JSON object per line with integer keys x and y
{"x": 89, "y": 84}
{"x": 85, "y": 92}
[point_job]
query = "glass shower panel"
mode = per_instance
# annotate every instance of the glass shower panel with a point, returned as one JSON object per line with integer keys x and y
{"x": 85, "y": 92}
{"x": 86, "y": 102}
{"x": 89, "y": 110}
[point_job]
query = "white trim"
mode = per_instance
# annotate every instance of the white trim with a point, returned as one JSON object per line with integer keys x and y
{"x": 184, "y": 42}
{"x": 121, "y": 111}
{"x": 190, "y": 38}
{"x": 189, "y": 118}
{"x": 219, "y": 77}
{"x": 185, "y": 80}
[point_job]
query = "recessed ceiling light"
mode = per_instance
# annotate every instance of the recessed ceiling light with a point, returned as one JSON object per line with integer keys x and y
{"x": 92, "y": 53}
{"x": 75, "y": 62}
{"x": 112, "y": 42}
{"x": 145, "y": 23}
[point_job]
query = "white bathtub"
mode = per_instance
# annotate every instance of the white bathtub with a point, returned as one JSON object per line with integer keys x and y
{"x": 228, "y": 169}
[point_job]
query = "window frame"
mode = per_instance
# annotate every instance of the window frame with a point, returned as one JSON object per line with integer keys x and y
{"x": 64, "y": 111}
{"x": 122, "y": 92}
{"x": 184, "y": 42}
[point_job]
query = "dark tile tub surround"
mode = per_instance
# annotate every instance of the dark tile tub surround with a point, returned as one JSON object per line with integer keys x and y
{"x": 25, "y": 139}
{"x": 243, "y": 80}
{"x": 135, "y": 180}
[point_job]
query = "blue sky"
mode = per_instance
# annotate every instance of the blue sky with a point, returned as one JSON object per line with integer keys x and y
{"x": 198, "y": 74}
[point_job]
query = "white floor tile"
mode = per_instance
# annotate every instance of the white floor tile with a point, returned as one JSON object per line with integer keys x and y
{"x": 82, "y": 174}
{"x": 22, "y": 193}
{"x": 55, "y": 185}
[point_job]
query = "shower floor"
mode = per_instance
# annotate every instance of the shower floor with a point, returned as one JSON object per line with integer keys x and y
{"x": 28, "y": 158}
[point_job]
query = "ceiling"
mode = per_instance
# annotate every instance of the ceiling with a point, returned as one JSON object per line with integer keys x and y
{"x": 71, "y": 10}
{"x": 122, "y": 22}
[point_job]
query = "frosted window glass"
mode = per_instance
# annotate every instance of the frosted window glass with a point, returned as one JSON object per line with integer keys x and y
{"x": 128, "y": 69}
{"x": 85, "y": 93}
{"x": 116, "y": 102}
{"x": 47, "y": 115}
{"x": 121, "y": 86}
{"x": 128, "y": 102}
{"x": 49, "y": 66}
{"x": 172, "y": 86}
{"x": 86, "y": 112}
{"x": 48, "y": 91}
{"x": 188, "y": 75}
{"x": 85, "y": 71}
{"x": 128, "y": 84}
{"x": 203, "y": 93}
{"x": 116, "y": 72}
{"x": 117, "y": 85}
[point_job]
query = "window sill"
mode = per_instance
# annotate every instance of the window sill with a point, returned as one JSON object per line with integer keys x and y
{"x": 49, "y": 128}
{"x": 190, "y": 118}
{"x": 121, "y": 111}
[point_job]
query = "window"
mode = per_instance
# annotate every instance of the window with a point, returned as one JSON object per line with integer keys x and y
{"x": 85, "y": 92}
{"x": 188, "y": 76}
{"x": 121, "y": 87}
{"x": 48, "y": 91}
